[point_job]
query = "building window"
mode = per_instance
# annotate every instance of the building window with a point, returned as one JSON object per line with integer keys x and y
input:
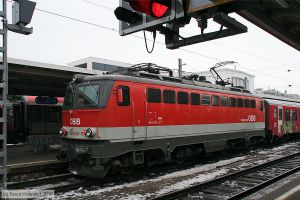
{"x": 215, "y": 100}
{"x": 195, "y": 99}
{"x": 182, "y": 98}
{"x": 240, "y": 103}
{"x": 153, "y": 95}
{"x": 232, "y": 102}
{"x": 169, "y": 96}
{"x": 205, "y": 100}
{"x": 240, "y": 82}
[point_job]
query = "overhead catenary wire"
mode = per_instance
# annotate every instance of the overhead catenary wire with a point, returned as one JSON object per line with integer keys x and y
{"x": 160, "y": 43}
{"x": 139, "y": 37}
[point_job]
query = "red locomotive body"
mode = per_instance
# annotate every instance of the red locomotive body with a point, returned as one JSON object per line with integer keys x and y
{"x": 282, "y": 117}
{"x": 117, "y": 121}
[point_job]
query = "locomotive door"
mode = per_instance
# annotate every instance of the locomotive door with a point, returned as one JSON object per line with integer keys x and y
{"x": 138, "y": 108}
{"x": 279, "y": 119}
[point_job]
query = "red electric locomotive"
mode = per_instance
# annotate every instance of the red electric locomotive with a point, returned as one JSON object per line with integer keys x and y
{"x": 282, "y": 117}
{"x": 115, "y": 121}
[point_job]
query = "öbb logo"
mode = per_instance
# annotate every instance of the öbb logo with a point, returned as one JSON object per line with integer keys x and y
{"x": 74, "y": 121}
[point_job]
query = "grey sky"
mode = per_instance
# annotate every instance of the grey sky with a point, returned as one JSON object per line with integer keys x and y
{"x": 59, "y": 40}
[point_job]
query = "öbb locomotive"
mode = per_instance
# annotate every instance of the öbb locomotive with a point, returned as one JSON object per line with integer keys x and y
{"x": 138, "y": 116}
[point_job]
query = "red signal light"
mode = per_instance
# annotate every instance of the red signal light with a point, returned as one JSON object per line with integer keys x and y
{"x": 153, "y": 8}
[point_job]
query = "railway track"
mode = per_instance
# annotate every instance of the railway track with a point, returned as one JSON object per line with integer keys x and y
{"x": 240, "y": 184}
{"x": 29, "y": 171}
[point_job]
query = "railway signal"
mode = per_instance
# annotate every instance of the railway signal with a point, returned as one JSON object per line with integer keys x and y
{"x": 22, "y": 12}
{"x": 137, "y": 15}
{"x": 169, "y": 16}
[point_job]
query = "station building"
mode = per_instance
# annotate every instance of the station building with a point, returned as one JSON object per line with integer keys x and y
{"x": 236, "y": 77}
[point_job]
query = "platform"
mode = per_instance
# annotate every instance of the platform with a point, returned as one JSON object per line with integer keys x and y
{"x": 21, "y": 156}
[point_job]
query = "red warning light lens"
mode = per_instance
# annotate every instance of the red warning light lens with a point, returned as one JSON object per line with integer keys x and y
{"x": 149, "y": 7}
{"x": 158, "y": 10}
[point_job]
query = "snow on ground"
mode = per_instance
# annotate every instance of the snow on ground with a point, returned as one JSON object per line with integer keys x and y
{"x": 201, "y": 178}
{"x": 143, "y": 189}
{"x": 191, "y": 181}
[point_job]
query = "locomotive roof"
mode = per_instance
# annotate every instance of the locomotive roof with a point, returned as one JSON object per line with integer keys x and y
{"x": 170, "y": 81}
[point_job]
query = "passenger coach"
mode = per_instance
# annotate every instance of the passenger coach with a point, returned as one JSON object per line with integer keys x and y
{"x": 282, "y": 117}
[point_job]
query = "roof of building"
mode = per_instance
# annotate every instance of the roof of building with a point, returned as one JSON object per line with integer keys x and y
{"x": 90, "y": 60}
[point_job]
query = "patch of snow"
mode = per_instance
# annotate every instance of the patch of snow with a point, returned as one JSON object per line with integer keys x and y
{"x": 191, "y": 181}
{"x": 191, "y": 171}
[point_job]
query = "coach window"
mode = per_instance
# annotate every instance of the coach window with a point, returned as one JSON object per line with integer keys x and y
{"x": 195, "y": 99}
{"x": 205, "y": 100}
{"x": 224, "y": 101}
{"x": 240, "y": 102}
{"x": 153, "y": 95}
{"x": 294, "y": 115}
{"x": 36, "y": 115}
{"x": 280, "y": 114}
{"x": 182, "y": 98}
{"x": 246, "y": 103}
{"x": 169, "y": 96}
{"x": 215, "y": 100}
{"x": 53, "y": 115}
{"x": 275, "y": 112}
{"x": 287, "y": 115}
{"x": 252, "y": 103}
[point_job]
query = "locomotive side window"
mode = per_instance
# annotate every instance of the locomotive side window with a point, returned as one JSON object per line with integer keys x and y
{"x": 280, "y": 114}
{"x": 125, "y": 96}
{"x": 88, "y": 95}
{"x": 252, "y": 103}
{"x": 232, "y": 102}
{"x": 153, "y": 95}
{"x": 195, "y": 99}
{"x": 169, "y": 96}
{"x": 246, "y": 103}
{"x": 294, "y": 115}
{"x": 205, "y": 100}
{"x": 182, "y": 98}
{"x": 261, "y": 106}
{"x": 224, "y": 101}
{"x": 287, "y": 115}
{"x": 215, "y": 100}
{"x": 240, "y": 102}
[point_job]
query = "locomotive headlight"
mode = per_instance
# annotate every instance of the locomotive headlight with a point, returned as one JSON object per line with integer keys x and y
{"x": 83, "y": 132}
{"x": 63, "y": 132}
{"x": 89, "y": 132}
